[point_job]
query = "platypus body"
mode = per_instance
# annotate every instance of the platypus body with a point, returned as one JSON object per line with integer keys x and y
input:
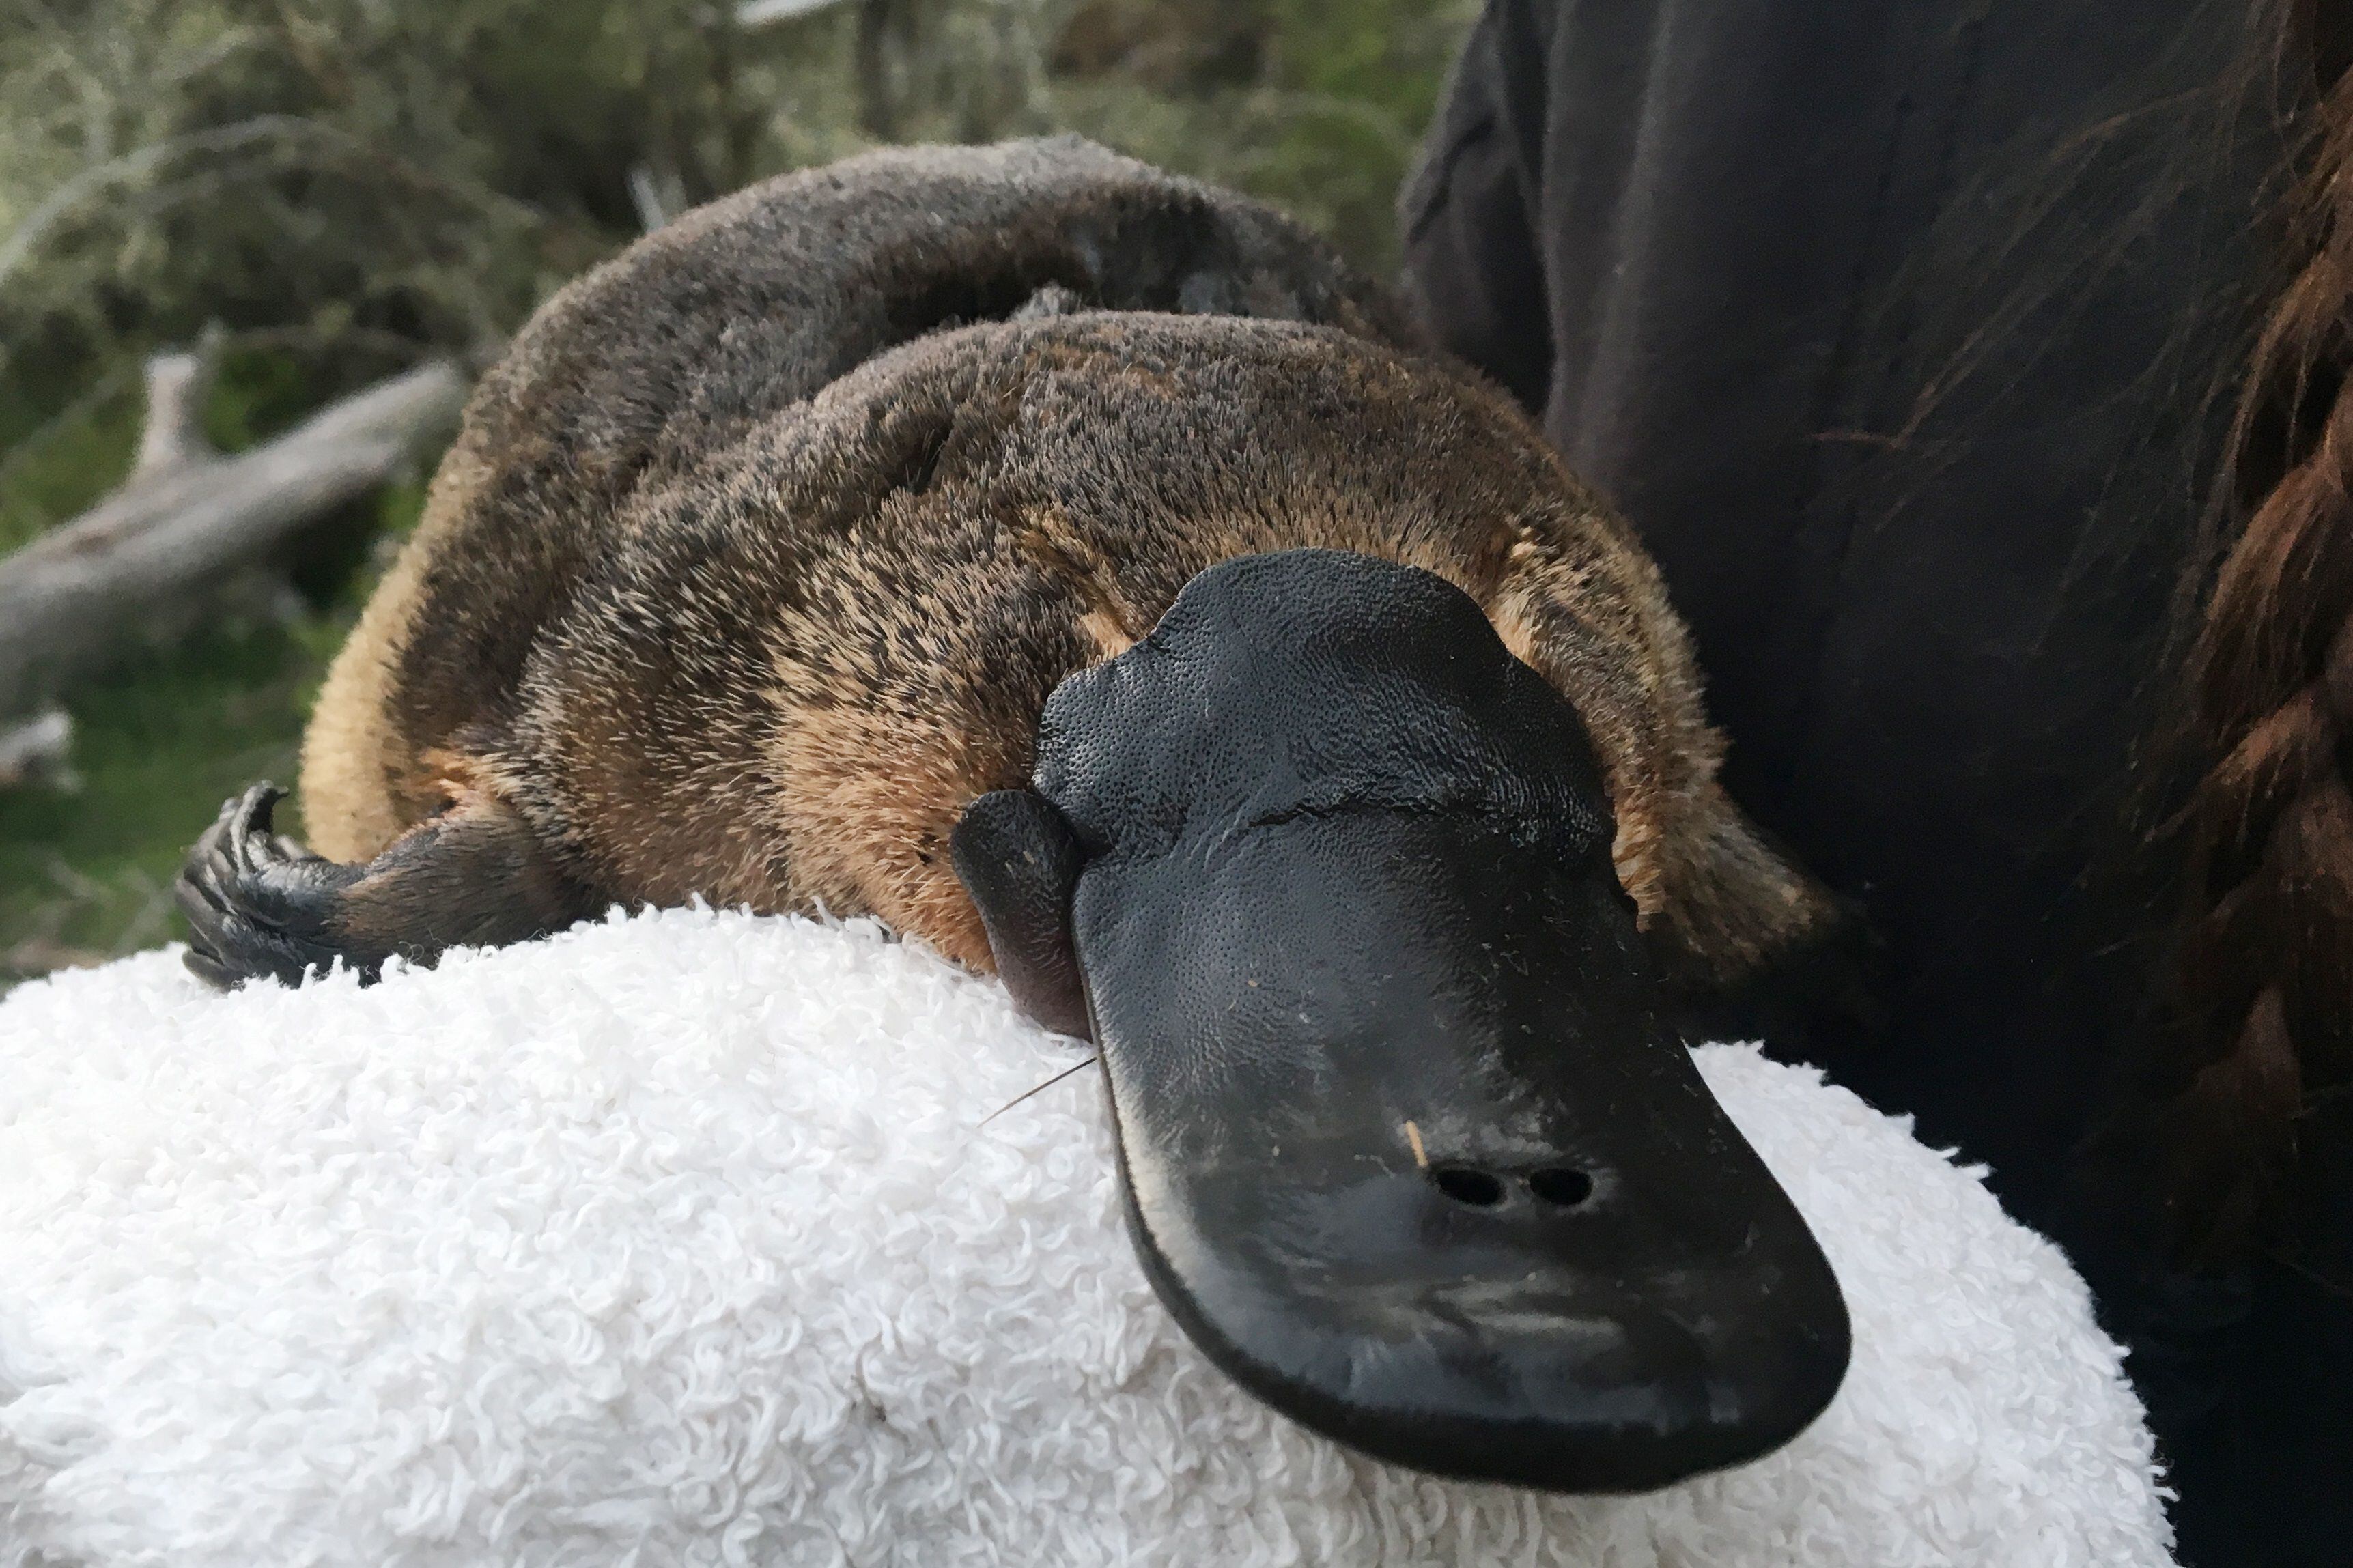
{"x": 1084, "y": 571}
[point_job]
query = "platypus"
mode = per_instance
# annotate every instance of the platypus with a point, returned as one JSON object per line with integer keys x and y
{"x": 1088, "y": 573}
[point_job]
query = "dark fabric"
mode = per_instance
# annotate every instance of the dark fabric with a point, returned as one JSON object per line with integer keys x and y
{"x": 1900, "y": 330}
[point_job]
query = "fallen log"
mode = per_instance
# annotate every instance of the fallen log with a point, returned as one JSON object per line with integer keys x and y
{"x": 189, "y": 520}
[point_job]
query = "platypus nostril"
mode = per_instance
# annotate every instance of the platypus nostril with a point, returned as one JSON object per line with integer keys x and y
{"x": 1468, "y": 1184}
{"x": 1561, "y": 1186}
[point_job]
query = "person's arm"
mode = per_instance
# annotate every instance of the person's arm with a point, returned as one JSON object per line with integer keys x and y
{"x": 1473, "y": 270}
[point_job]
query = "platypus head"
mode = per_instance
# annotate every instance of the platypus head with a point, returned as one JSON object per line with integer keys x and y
{"x": 1408, "y": 1145}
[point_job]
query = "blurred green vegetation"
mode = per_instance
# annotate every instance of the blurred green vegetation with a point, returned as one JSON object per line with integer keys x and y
{"x": 86, "y": 874}
{"x": 341, "y": 188}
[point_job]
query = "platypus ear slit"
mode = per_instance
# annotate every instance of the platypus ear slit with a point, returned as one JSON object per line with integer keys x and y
{"x": 1019, "y": 858}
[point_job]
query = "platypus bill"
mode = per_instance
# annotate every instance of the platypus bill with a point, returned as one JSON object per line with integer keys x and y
{"x": 1410, "y": 1145}
{"x": 1258, "y": 696}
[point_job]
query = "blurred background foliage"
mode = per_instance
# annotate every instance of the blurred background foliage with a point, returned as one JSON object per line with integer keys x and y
{"x": 343, "y": 187}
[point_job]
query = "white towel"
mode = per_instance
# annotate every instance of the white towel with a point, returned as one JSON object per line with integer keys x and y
{"x": 681, "y": 1239}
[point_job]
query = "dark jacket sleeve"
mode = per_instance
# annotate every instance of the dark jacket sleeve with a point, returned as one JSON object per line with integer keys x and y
{"x": 1473, "y": 271}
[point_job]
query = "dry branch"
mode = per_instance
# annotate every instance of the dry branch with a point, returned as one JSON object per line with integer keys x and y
{"x": 187, "y": 521}
{"x": 178, "y": 388}
{"x": 759, "y": 12}
{"x": 36, "y": 748}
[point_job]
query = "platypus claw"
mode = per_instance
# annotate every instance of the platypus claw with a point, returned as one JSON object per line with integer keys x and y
{"x": 258, "y": 904}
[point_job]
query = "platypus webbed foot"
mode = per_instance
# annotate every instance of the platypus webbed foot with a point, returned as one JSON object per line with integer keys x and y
{"x": 259, "y": 904}
{"x": 1410, "y": 1143}
{"x": 263, "y": 906}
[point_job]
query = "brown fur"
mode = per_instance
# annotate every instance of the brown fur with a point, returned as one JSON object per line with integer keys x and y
{"x": 710, "y": 619}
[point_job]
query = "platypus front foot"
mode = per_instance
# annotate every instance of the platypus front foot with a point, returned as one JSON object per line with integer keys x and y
{"x": 259, "y": 904}
{"x": 474, "y": 874}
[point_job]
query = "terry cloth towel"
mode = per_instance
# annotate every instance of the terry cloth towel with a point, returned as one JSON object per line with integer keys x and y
{"x": 687, "y": 1239}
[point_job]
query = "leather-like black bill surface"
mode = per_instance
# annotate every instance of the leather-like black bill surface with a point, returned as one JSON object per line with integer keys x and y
{"x": 1407, "y": 1147}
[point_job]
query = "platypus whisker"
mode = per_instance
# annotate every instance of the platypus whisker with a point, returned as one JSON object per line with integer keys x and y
{"x": 1032, "y": 1093}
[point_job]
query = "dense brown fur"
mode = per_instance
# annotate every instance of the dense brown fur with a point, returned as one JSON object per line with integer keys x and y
{"x": 712, "y": 604}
